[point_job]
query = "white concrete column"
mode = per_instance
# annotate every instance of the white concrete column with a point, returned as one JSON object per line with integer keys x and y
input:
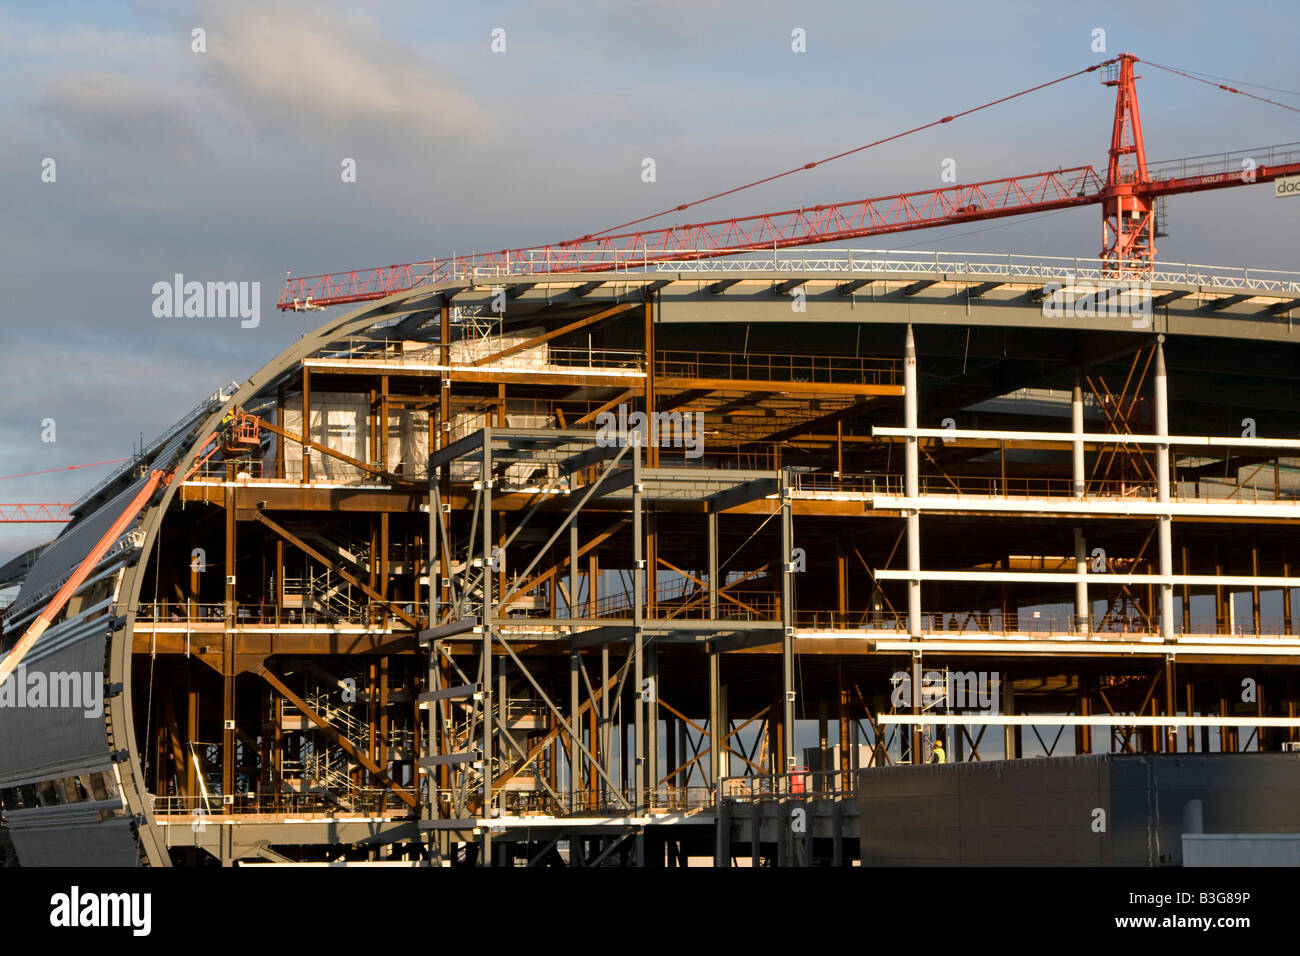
{"x": 1082, "y": 607}
{"x": 1162, "y": 493}
{"x": 912, "y": 485}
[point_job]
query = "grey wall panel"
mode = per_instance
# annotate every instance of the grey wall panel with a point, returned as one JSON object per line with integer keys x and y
{"x": 92, "y": 625}
{"x": 45, "y": 743}
{"x": 912, "y": 819}
{"x": 1239, "y": 793}
{"x": 1041, "y": 811}
{"x": 911, "y": 846}
{"x": 1241, "y": 849}
{"x": 16, "y": 569}
{"x": 1030, "y": 812}
{"x": 76, "y": 835}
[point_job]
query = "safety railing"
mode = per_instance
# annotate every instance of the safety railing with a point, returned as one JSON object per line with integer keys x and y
{"x": 418, "y": 355}
{"x": 1046, "y": 625}
{"x": 813, "y": 483}
{"x": 1239, "y": 163}
{"x": 360, "y": 802}
{"x": 372, "y": 614}
{"x": 1213, "y": 489}
{"x": 815, "y": 620}
{"x": 800, "y": 782}
{"x": 180, "y": 613}
{"x": 541, "y": 802}
{"x": 629, "y": 360}
{"x": 679, "y": 598}
{"x": 321, "y": 471}
{"x": 903, "y": 262}
{"x": 387, "y": 351}
{"x": 328, "y": 763}
{"x": 779, "y": 367}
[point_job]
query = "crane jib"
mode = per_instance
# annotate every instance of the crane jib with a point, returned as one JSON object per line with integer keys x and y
{"x": 1127, "y": 194}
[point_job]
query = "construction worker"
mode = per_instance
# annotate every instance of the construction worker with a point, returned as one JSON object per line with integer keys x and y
{"x": 227, "y": 423}
{"x": 937, "y": 754}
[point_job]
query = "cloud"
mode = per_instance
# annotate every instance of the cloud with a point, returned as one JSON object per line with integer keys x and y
{"x": 86, "y": 41}
{"x": 296, "y": 73}
{"x": 115, "y": 111}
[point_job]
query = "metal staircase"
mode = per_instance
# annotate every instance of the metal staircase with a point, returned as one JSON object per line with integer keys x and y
{"x": 327, "y": 769}
{"x": 325, "y": 593}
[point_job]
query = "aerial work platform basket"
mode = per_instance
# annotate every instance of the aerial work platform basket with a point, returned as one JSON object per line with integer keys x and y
{"x": 242, "y": 435}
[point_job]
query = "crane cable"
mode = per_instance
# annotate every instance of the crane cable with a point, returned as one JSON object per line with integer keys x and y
{"x": 47, "y": 471}
{"x": 1228, "y": 79}
{"x": 850, "y": 152}
{"x": 1230, "y": 89}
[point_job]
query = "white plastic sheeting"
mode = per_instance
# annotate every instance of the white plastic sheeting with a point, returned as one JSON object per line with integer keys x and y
{"x": 408, "y": 441}
{"x": 523, "y": 415}
{"x": 341, "y": 421}
{"x": 474, "y": 347}
{"x": 527, "y": 472}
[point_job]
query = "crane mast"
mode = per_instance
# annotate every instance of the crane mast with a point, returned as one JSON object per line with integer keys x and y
{"x": 1127, "y": 208}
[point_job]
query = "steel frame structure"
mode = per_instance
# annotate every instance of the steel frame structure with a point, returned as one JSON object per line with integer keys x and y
{"x": 456, "y": 608}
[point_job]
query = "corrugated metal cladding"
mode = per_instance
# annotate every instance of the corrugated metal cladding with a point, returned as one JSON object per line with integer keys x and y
{"x": 45, "y": 744}
{"x": 48, "y": 743}
{"x": 1046, "y": 812}
{"x": 70, "y": 549}
{"x": 16, "y": 570}
{"x": 73, "y": 835}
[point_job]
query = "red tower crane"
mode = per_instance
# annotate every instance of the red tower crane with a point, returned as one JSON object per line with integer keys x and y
{"x": 1127, "y": 195}
{"x": 1128, "y": 214}
{"x": 44, "y": 512}
{"x": 35, "y": 513}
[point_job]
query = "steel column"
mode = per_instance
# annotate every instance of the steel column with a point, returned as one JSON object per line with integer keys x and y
{"x": 788, "y": 761}
{"x": 489, "y": 622}
{"x": 575, "y": 770}
{"x": 638, "y": 631}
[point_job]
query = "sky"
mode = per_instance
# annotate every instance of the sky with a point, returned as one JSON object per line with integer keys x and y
{"x": 225, "y": 164}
